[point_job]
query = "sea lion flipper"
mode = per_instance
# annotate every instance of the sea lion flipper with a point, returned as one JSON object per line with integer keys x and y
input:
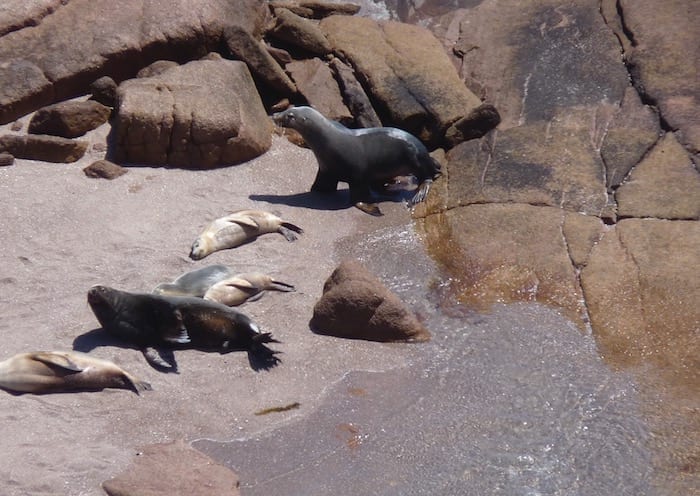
{"x": 243, "y": 220}
{"x": 369, "y": 208}
{"x": 57, "y": 360}
{"x": 281, "y": 286}
{"x": 289, "y": 230}
{"x": 177, "y": 334}
{"x": 422, "y": 192}
{"x": 160, "y": 359}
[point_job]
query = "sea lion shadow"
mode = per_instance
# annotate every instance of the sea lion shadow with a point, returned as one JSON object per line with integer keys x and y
{"x": 338, "y": 200}
{"x": 262, "y": 359}
{"x": 310, "y": 199}
{"x": 99, "y": 337}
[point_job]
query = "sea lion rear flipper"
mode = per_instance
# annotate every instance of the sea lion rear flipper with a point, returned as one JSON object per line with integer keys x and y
{"x": 281, "y": 286}
{"x": 163, "y": 360}
{"x": 289, "y": 230}
{"x": 57, "y": 360}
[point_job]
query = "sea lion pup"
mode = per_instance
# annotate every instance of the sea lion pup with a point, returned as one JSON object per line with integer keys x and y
{"x": 238, "y": 228}
{"x": 62, "y": 371}
{"x": 240, "y": 288}
{"x": 152, "y": 321}
{"x": 366, "y": 159}
{"x": 195, "y": 282}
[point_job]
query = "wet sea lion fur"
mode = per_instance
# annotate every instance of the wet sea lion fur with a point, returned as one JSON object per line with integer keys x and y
{"x": 367, "y": 159}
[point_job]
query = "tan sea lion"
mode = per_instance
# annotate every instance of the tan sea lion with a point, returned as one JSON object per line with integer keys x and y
{"x": 240, "y": 288}
{"x": 367, "y": 159}
{"x": 238, "y": 228}
{"x": 195, "y": 282}
{"x": 152, "y": 321}
{"x": 63, "y": 371}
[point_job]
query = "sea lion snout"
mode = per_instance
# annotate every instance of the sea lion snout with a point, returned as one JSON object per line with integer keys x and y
{"x": 97, "y": 294}
{"x": 197, "y": 251}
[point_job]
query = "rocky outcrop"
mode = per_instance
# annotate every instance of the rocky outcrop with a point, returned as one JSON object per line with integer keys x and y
{"x": 58, "y": 58}
{"x": 173, "y": 468}
{"x": 406, "y": 73}
{"x": 357, "y": 305}
{"x": 200, "y": 115}
{"x": 43, "y": 147}
{"x": 316, "y": 83}
{"x": 663, "y": 55}
{"x": 69, "y": 119}
{"x": 244, "y": 46}
{"x": 641, "y": 285}
{"x": 664, "y": 185}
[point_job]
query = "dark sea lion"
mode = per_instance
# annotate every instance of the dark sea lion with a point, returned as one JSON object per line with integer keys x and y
{"x": 152, "y": 321}
{"x": 238, "y": 228}
{"x": 62, "y": 371}
{"x": 249, "y": 286}
{"x": 195, "y": 282}
{"x": 366, "y": 158}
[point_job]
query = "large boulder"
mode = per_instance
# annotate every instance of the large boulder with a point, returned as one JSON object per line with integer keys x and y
{"x": 203, "y": 114}
{"x": 63, "y": 56}
{"x": 69, "y": 119}
{"x": 356, "y": 304}
{"x": 405, "y": 70}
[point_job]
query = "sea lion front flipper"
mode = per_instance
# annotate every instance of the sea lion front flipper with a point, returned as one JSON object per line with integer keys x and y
{"x": 369, "y": 208}
{"x": 422, "y": 192}
{"x": 57, "y": 360}
{"x": 163, "y": 360}
{"x": 243, "y": 220}
{"x": 178, "y": 333}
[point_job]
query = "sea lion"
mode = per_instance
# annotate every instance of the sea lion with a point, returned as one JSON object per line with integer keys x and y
{"x": 62, "y": 371}
{"x": 195, "y": 282}
{"x": 240, "y": 288}
{"x": 366, "y": 158}
{"x": 152, "y": 321}
{"x": 238, "y": 228}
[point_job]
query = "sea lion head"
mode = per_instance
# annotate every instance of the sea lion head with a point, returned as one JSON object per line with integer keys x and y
{"x": 293, "y": 117}
{"x": 200, "y": 249}
{"x": 104, "y": 302}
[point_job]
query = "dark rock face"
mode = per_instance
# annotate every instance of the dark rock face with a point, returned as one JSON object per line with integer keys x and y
{"x": 355, "y": 304}
{"x": 69, "y": 119}
{"x": 200, "y": 115}
{"x": 59, "y": 58}
{"x": 42, "y": 147}
{"x": 173, "y": 468}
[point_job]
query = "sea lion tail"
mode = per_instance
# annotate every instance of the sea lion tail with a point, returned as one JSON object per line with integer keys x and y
{"x": 290, "y": 231}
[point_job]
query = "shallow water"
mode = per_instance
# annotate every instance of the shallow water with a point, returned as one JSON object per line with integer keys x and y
{"x": 513, "y": 402}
